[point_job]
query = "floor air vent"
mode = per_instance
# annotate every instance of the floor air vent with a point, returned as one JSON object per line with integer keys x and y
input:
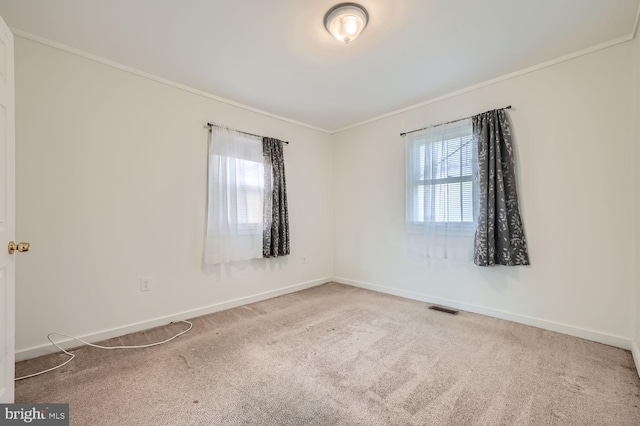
{"x": 443, "y": 309}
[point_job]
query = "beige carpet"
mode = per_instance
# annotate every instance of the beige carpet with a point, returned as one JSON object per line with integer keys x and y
{"x": 337, "y": 355}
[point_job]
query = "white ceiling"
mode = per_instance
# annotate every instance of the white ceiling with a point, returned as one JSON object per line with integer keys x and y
{"x": 276, "y": 55}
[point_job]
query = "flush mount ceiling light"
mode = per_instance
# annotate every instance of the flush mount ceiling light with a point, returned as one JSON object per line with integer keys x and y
{"x": 345, "y": 21}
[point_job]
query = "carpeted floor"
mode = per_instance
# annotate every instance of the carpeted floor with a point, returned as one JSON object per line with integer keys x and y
{"x": 337, "y": 355}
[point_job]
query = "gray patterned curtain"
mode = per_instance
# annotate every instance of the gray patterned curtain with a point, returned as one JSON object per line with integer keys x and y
{"x": 276, "y": 221}
{"x": 499, "y": 236}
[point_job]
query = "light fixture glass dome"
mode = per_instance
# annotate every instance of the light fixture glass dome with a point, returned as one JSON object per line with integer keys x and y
{"x": 346, "y": 21}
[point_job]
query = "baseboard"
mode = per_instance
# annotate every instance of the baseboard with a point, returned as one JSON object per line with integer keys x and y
{"x": 635, "y": 351}
{"x": 48, "y": 348}
{"x": 584, "y": 333}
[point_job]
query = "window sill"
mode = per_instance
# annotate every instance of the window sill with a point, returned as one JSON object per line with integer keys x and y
{"x": 449, "y": 229}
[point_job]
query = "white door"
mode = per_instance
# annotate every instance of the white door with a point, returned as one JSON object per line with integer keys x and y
{"x": 7, "y": 215}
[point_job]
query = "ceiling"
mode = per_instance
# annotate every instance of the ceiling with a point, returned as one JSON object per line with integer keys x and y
{"x": 276, "y": 56}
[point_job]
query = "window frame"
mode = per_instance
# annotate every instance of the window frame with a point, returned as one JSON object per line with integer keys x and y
{"x": 414, "y": 182}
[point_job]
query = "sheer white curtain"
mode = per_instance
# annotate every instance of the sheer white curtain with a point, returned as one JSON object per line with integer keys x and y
{"x": 236, "y": 197}
{"x": 440, "y": 191}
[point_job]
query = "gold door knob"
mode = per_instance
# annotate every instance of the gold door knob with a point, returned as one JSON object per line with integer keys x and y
{"x": 20, "y": 247}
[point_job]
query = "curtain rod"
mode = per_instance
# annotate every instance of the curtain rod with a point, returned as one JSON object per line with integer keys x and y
{"x": 447, "y": 122}
{"x": 210, "y": 125}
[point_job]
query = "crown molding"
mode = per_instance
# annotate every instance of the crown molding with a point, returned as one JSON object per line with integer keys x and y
{"x": 60, "y": 46}
{"x": 505, "y": 77}
{"x": 561, "y": 59}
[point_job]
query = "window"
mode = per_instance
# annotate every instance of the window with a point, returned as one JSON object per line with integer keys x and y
{"x": 236, "y": 197}
{"x": 245, "y": 201}
{"x": 440, "y": 187}
{"x": 247, "y": 209}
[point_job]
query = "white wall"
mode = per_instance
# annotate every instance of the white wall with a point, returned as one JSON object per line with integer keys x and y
{"x": 111, "y": 187}
{"x": 573, "y": 124}
{"x": 111, "y": 174}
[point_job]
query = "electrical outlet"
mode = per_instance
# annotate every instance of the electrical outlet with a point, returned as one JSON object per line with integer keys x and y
{"x": 146, "y": 284}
